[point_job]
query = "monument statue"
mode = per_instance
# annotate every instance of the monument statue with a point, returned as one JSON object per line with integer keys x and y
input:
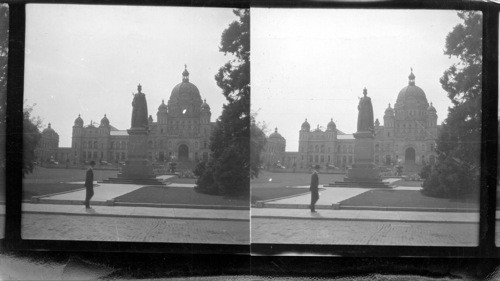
{"x": 139, "y": 110}
{"x": 137, "y": 168}
{"x": 365, "y": 114}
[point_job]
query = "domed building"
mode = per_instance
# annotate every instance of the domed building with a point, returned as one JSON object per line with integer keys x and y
{"x": 407, "y": 137}
{"x": 48, "y": 145}
{"x": 274, "y": 149}
{"x": 181, "y": 132}
{"x": 409, "y": 131}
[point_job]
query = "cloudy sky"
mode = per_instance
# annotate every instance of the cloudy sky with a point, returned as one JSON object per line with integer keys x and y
{"x": 88, "y": 60}
{"x": 314, "y": 63}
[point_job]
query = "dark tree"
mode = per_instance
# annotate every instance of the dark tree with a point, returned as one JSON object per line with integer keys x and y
{"x": 31, "y": 138}
{"x": 257, "y": 143}
{"x": 458, "y": 145}
{"x": 227, "y": 172}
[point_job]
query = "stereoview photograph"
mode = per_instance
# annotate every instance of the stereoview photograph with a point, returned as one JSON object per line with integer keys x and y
{"x": 137, "y": 128}
{"x": 366, "y": 126}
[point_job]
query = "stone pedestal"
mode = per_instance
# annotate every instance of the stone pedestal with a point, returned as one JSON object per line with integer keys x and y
{"x": 363, "y": 168}
{"x": 137, "y": 165}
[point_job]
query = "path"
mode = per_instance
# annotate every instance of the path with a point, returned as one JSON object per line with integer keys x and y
{"x": 363, "y": 215}
{"x": 328, "y": 196}
{"x": 133, "y": 229}
{"x": 148, "y": 212}
{"x": 103, "y": 192}
{"x": 285, "y": 231}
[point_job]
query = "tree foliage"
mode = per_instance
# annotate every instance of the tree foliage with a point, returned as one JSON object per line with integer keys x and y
{"x": 458, "y": 145}
{"x": 257, "y": 143}
{"x": 227, "y": 170}
{"x": 31, "y": 138}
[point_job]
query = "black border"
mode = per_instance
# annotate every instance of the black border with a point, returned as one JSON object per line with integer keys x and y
{"x": 486, "y": 248}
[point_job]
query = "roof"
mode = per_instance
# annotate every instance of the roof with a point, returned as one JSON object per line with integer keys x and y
{"x": 345, "y": 137}
{"x": 119, "y": 133}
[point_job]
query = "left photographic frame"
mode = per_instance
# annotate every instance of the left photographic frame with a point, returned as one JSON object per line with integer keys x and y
{"x": 121, "y": 103}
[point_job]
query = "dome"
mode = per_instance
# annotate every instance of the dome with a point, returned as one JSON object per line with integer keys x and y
{"x": 185, "y": 91}
{"x": 305, "y": 126}
{"x": 48, "y": 130}
{"x": 389, "y": 111}
{"x": 163, "y": 106}
{"x": 411, "y": 94}
{"x": 184, "y": 94}
{"x": 275, "y": 135}
{"x": 431, "y": 109}
{"x": 331, "y": 125}
{"x": 104, "y": 121}
{"x": 79, "y": 121}
{"x": 205, "y": 105}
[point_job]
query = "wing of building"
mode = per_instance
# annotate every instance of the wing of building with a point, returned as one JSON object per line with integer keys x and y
{"x": 180, "y": 133}
{"x": 407, "y": 137}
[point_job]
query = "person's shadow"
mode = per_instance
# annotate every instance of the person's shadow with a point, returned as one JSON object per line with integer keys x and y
{"x": 316, "y": 215}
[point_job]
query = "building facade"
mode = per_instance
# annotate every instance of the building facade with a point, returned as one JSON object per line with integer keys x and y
{"x": 180, "y": 133}
{"x": 274, "y": 150}
{"x": 407, "y": 136}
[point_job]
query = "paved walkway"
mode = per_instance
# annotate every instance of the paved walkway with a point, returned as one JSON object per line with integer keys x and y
{"x": 363, "y": 215}
{"x": 134, "y": 212}
{"x": 133, "y": 229}
{"x": 102, "y": 192}
{"x": 283, "y": 231}
{"x": 328, "y": 196}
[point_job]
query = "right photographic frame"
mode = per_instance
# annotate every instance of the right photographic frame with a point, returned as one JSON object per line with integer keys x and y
{"x": 367, "y": 124}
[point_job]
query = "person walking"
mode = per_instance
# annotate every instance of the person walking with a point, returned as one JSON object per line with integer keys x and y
{"x": 89, "y": 184}
{"x": 314, "y": 188}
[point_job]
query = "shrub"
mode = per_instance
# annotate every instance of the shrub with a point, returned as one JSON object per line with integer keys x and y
{"x": 450, "y": 179}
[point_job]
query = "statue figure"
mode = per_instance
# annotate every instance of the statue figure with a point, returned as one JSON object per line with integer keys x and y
{"x": 365, "y": 114}
{"x": 139, "y": 110}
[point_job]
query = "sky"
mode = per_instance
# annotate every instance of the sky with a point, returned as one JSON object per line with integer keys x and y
{"x": 88, "y": 60}
{"x": 314, "y": 63}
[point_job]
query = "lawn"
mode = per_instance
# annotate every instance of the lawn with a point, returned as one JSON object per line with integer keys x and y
{"x": 178, "y": 195}
{"x": 406, "y": 198}
{"x": 259, "y": 194}
{"x": 39, "y": 189}
{"x": 45, "y": 175}
{"x": 271, "y": 180}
